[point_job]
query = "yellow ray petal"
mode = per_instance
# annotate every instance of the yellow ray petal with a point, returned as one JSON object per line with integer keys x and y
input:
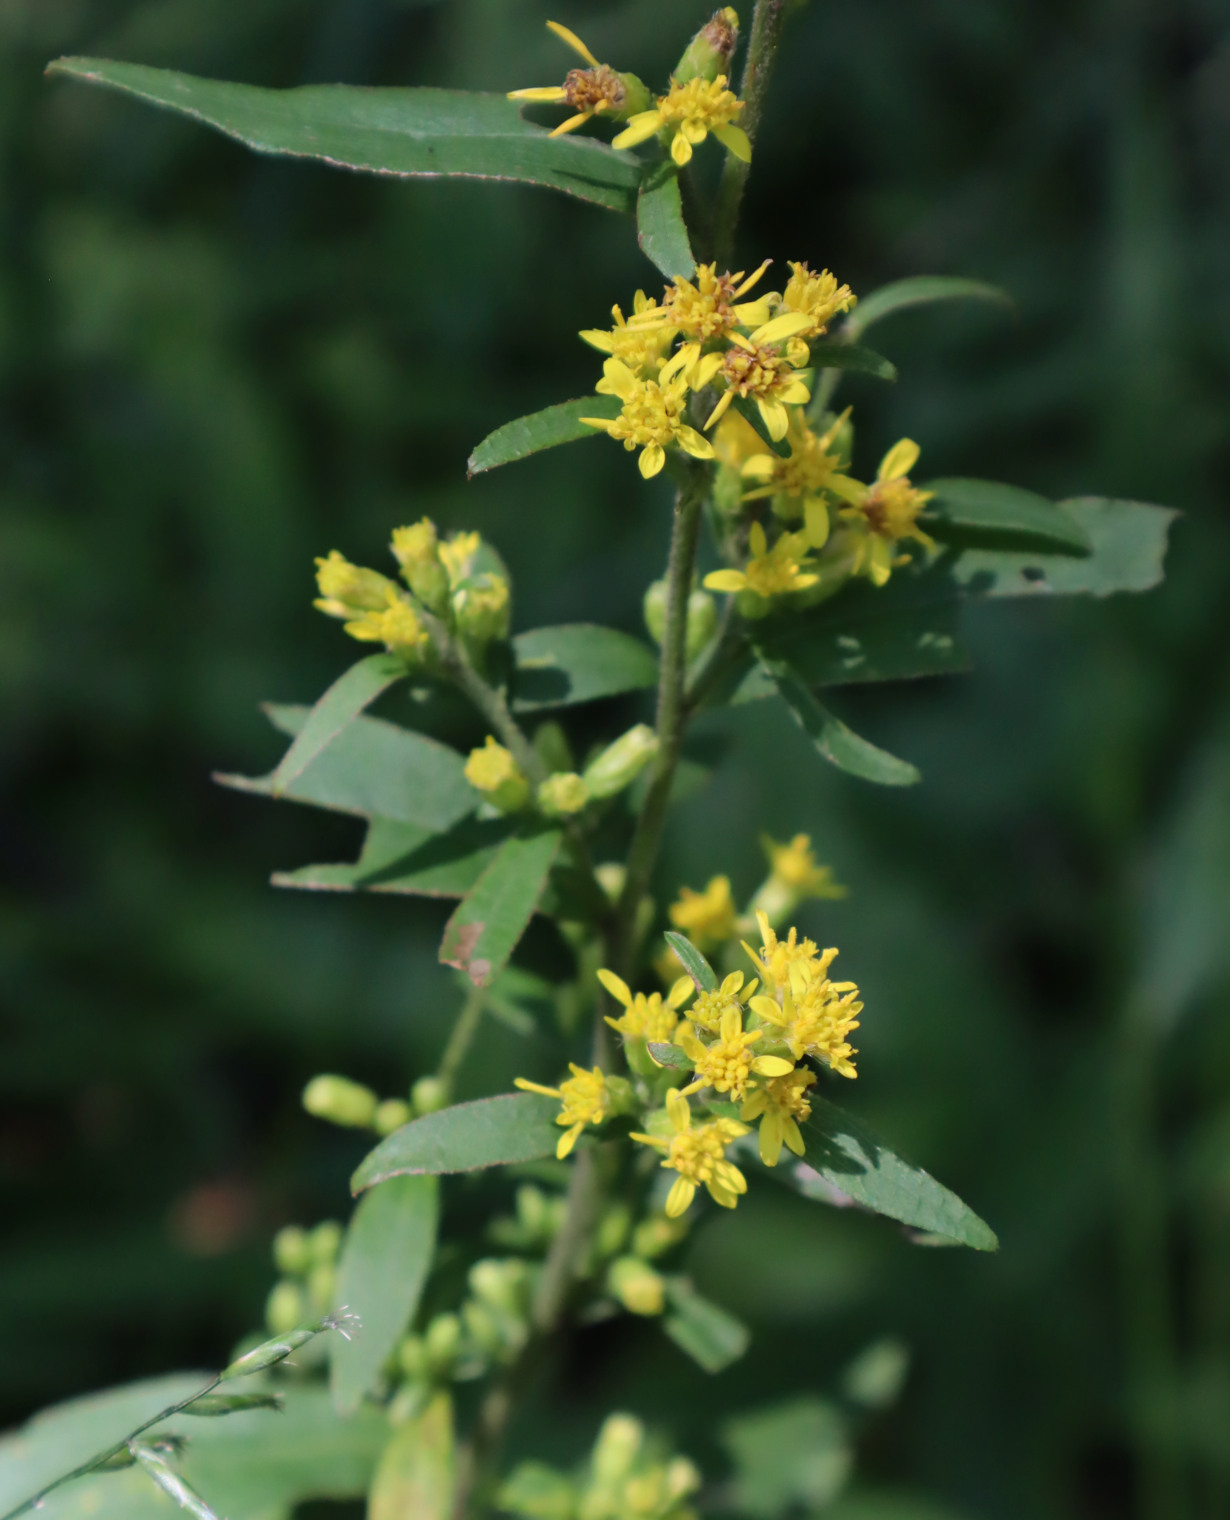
{"x": 574, "y": 42}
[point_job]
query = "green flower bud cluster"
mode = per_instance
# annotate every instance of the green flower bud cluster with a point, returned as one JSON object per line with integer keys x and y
{"x": 702, "y": 618}
{"x": 349, "y": 1104}
{"x": 626, "y": 1478}
{"x": 537, "y": 1221}
{"x": 490, "y": 1329}
{"x": 619, "y": 764}
{"x": 307, "y": 1262}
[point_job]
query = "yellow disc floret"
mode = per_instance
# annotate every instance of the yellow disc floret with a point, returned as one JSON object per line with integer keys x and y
{"x": 652, "y": 415}
{"x": 728, "y": 1062}
{"x": 586, "y": 1098}
{"x": 779, "y": 1105}
{"x": 698, "y": 1154}
{"x": 645, "y": 1017}
{"x": 817, "y": 296}
{"x": 686, "y": 115}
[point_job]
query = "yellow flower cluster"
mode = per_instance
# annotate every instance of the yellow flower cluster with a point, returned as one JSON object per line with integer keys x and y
{"x": 440, "y": 578}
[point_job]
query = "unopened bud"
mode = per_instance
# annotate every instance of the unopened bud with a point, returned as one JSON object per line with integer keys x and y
{"x": 413, "y": 1358}
{"x": 292, "y": 1255}
{"x": 500, "y": 1284}
{"x": 482, "y": 610}
{"x": 655, "y": 611}
{"x": 611, "y": 876}
{"x": 562, "y": 795}
{"x": 622, "y": 762}
{"x": 656, "y": 1235}
{"x": 391, "y": 1115}
{"x": 637, "y": 1286}
{"x": 710, "y": 51}
{"x": 483, "y": 1327}
{"x": 612, "y": 1230}
{"x": 702, "y": 617}
{"x": 326, "y": 1242}
{"x": 429, "y": 1095}
{"x": 340, "y": 1101}
{"x": 346, "y": 589}
{"x": 492, "y": 771}
{"x": 443, "y": 1341}
{"x": 284, "y": 1308}
{"x": 417, "y": 551}
{"x": 617, "y": 1447}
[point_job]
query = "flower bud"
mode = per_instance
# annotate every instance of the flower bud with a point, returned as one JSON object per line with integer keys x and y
{"x": 347, "y": 589}
{"x": 268, "y": 1353}
{"x": 443, "y": 1341}
{"x": 500, "y": 1284}
{"x": 655, "y": 611}
{"x": 622, "y": 762}
{"x": 482, "y": 610}
{"x": 617, "y": 1447}
{"x": 612, "y": 1230}
{"x": 483, "y": 1328}
{"x": 321, "y": 1286}
{"x": 391, "y": 1115}
{"x": 292, "y": 1254}
{"x": 340, "y": 1101}
{"x": 611, "y": 875}
{"x": 285, "y": 1307}
{"x": 429, "y": 1095}
{"x": 493, "y": 771}
{"x": 710, "y": 51}
{"x": 657, "y": 1234}
{"x": 562, "y": 795}
{"x": 417, "y": 550}
{"x": 326, "y": 1242}
{"x": 414, "y": 1359}
{"x": 636, "y": 1285}
{"x": 702, "y": 622}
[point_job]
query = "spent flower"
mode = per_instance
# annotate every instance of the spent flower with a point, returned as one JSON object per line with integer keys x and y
{"x": 885, "y": 512}
{"x": 598, "y": 90}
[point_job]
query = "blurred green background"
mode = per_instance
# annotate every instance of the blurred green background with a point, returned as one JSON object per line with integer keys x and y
{"x": 214, "y": 367}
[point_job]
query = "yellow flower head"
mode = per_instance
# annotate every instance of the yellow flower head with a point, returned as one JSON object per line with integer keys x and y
{"x": 817, "y": 296}
{"x": 779, "y": 1104}
{"x": 686, "y": 114}
{"x": 698, "y": 1154}
{"x": 727, "y": 1063}
{"x": 396, "y": 626}
{"x": 416, "y": 545}
{"x": 757, "y": 368}
{"x": 641, "y": 345}
{"x": 710, "y": 308}
{"x": 777, "y": 956}
{"x": 458, "y": 555}
{"x": 652, "y": 415}
{"x": 709, "y": 1008}
{"x": 645, "y": 1017}
{"x": 346, "y": 589}
{"x": 885, "y": 512}
{"x": 797, "y": 483}
{"x": 794, "y": 866}
{"x": 595, "y": 91}
{"x": 768, "y": 572}
{"x": 708, "y": 917}
{"x": 812, "y": 1014}
{"x": 493, "y": 771}
{"x": 586, "y": 1098}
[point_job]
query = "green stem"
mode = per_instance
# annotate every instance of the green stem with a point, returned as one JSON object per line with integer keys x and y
{"x": 768, "y": 21}
{"x": 462, "y": 1037}
{"x": 671, "y": 719}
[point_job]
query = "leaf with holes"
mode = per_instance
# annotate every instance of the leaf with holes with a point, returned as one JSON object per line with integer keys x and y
{"x": 385, "y": 1259}
{"x": 400, "y": 132}
{"x": 499, "y": 1131}
{"x": 541, "y": 430}
{"x": 988, "y": 509}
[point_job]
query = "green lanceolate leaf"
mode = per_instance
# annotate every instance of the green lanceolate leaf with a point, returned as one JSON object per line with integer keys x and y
{"x": 416, "y": 1476}
{"x": 919, "y": 291}
{"x": 828, "y": 353}
{"x": 465, "y": 1138}
{"x": 250, "y": 1466}
{"x": 694, "y": 963}
{"x": 492, "y": 917}
{"x": 341, "y": 704}
{"x": 660, "y": 228}
{"x": 578, "y": 662}
{"x": 375, "y": 769}
{"x": 791, "y": 1455}
{"x": 541, "y": 430}
{"x": 987, "y": 508}
{"x": 385, "y": 1260}
{"x": 837, "y": 743}
{"x": 846, "y": 1154}
{"x": 1128, "y": 541}
{"x": 412, "y": 133}
{"x": 401, "y": 857}
{"x": 712, "y": 1337}
{"x": 750, "y": 412}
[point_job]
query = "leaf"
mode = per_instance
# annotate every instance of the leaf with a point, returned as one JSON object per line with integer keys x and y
{"x": 660, "y": 227}
{"x": 400, "y": 857}
{"x": 693, "y": 962}
{"x": 416, "y": 1476}
{"x": 844, "y": 1153}
{"x": 832, "y": 739}
{"x": 831, "y": 353}
{"x": 465, "y": 1138}
{"x": 491, "y": 918}
{"x": 985, "y": 506}
{"x": 796, "y": 1453}
{"x": 541, "y": 430}
{"x": 341, "y": 704}
{"x": 750, "y": 412}
{"x": 578, "y": 662}
{"x": 670, "y": 1056}
{"x": 708, "y": 1334}
{"x": 375, "y": 769}
{"x": 1129, "y": 547}
{"x": 385, "y": 1260}
{"x": 402, "y": 132}
{"x": 918, "y": 291}
{"x": 254, "y": 1466}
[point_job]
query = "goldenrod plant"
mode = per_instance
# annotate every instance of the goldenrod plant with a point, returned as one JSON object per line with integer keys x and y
{"x": 699, "y": 1042}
